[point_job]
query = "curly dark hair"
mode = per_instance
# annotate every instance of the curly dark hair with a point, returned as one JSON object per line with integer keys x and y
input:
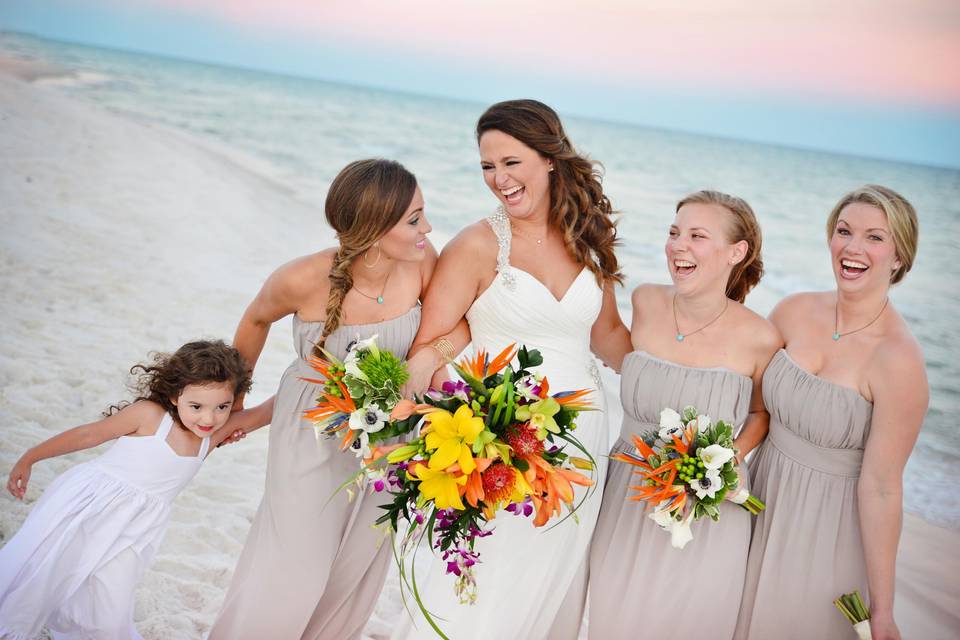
{"x": 201, "y": 362}
{"x": 578, "y": 206}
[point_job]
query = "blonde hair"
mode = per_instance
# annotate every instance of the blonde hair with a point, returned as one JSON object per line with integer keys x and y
{"x": 901, "y": 216}
{"x": 365, "y": 201}
{"x": 743, "y": 226}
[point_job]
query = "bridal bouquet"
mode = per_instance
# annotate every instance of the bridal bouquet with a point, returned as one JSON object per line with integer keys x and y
{"x": 357, "y": 396}
{"x": 493, "y": 440}
{"x": 687, "y": 469}
{"x": 852, "y": 607}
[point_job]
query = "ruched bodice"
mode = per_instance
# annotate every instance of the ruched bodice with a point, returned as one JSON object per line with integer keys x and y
{"x": 312, "y": 560}
{"x": 394, "y": 335}
{"x": 800, "y": 429}
{"x": 648, "y": 385}
{"x": 806, "y": 471}
{"x": 629, "y": 551}
{"x": 517, "y": 307}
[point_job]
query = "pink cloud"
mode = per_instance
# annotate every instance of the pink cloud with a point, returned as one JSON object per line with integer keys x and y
{"x": 898, "y": 51}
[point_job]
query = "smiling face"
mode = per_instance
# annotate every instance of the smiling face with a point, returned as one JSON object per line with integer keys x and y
{"x": 407, "y": 239}
{"x": 516, "y": 174}
{"x": 203, "y": 409}
{"x": 699, "y": 254}
{"x": 862, "y": 249}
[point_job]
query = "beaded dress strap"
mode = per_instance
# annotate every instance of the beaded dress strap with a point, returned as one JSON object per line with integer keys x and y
{"x": 500, "y": 224}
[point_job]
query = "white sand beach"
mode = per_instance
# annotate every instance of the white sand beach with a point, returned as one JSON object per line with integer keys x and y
{"x": 120, "y": 237}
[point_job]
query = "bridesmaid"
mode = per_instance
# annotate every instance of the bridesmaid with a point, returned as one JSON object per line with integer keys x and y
{"x": 847, "y": 397}
{"x": 694, "y": 344}
{"x": 309, "y": 570}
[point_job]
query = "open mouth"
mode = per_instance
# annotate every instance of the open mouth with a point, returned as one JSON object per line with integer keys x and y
{"x": 684, "y": 267}
{"x": 513, "y": 195}
{"x": 204, "y": 429}
{"x": 852, "y": 268}
{"x": 421, "y": 244}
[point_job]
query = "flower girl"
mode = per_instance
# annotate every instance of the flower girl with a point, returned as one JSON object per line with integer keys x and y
{"x": 75, "y": 563}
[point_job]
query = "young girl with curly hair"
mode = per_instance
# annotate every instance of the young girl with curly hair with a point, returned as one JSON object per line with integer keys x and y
{"x": 75, "y": 563}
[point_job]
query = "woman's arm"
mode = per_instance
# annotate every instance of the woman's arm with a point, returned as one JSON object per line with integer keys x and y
{"x": 898, "y": 385}
{"x": 768, "y": 341}
{"x": 243, "y": 422}
{"x": 283, "y": 293}
{"x": 130, "y": 419}
{"x": 454, "y": 286}
{"x": 609, "y": 336}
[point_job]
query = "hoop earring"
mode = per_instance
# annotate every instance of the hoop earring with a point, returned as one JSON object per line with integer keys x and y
{"x": 375, "y": 262}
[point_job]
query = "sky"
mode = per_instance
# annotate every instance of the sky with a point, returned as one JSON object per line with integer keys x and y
{"x": 864, "y": 77}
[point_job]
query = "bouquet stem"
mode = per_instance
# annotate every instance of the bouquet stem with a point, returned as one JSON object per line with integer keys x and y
{"x": 852, "y": 607}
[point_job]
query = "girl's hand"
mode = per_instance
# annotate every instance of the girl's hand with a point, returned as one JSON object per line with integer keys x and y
{"x": 19, "y": 477}
{"x": 882, "y": 627}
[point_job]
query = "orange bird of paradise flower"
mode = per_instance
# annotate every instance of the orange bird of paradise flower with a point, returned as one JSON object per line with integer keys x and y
{"x": 480, "y": 366}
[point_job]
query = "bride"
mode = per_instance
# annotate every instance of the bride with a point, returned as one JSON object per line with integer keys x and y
{"x": 539, "y": 272}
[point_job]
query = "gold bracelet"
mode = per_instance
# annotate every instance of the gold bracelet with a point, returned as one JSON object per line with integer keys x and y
{"x": 444, "y": 347}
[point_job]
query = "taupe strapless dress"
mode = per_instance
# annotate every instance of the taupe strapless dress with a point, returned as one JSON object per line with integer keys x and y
{"x": 640, "y": 586}
{"x": 806, "y": 547}
{"x": 312, "y": 567}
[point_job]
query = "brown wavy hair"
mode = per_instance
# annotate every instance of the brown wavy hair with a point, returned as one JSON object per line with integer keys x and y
{"x": 578, "y": 206}
{"x": 743, "y": 226}
{"x": 365, "y": 201}
{"x": 202, "y": 362}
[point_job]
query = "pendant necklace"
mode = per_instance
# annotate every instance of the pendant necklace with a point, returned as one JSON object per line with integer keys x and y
{"x": 836, "y": 320}
{"x": 681, "y": 336}
{"x": 379, "y": 298}
{"x": 539, "y": 241}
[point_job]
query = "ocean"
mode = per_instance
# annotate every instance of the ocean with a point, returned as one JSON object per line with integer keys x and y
{"x": 300, "y": 132}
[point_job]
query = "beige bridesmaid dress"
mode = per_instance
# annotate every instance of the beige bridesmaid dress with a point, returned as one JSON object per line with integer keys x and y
{"x": 806, "y": 547}
{"x": 312, "y": 567}
{"x": 640, "y": 586}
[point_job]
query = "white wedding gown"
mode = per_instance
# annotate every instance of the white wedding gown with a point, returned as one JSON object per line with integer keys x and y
{"x": 532, "y": 581}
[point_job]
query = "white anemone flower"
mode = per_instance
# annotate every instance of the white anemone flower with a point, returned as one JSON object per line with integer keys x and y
{"x": 670, "y": 425}
{"x": 715, "y": 456}
{"x": 361, "y": 446}
{"x": 708, "y": 485}
{"x": 368, "y": 419}
{"x": 680, "y": 533}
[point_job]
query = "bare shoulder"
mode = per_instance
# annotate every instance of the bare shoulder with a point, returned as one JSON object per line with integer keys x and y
{"x": 649, "y": 295}
{"x": 761, "y": 331}
{"x": 305, "y": 273}
{"x": 145, "y": 414}
{"x": 476, "y": 241}
{"x": 899, "y": 358}
{"x": 797, "y": 308}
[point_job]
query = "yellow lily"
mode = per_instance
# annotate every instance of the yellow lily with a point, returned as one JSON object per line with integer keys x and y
{"x": 450, "y": 438}
{"x": 441, "y": 487}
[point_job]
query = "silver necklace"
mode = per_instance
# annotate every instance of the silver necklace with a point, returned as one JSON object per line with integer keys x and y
{"x": 681, "y": 336}
{"x": 836, "y": 320}
{"x": 379, "y": 298}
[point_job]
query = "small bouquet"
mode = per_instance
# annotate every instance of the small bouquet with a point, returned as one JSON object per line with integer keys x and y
{"x": 492, "y": 441}
{"x": 687, "y": 469}
{"x": 357, "y": 396}
{"x": 851, "y": 605}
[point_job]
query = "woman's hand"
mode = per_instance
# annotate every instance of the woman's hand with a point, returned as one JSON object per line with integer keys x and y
{"x": 19, "y": 477}
{"x": 421, "y": 367}
{"x": 236, "y": 436}
{"x": 882, "y": 627}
